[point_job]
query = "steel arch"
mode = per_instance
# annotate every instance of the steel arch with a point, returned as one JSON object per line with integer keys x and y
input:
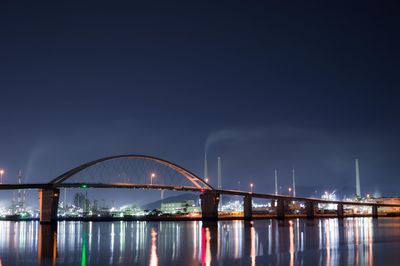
{"x": 197, "y": 181}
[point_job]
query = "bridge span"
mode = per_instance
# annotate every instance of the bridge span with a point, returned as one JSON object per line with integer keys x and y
{"x": 49, "y": 193}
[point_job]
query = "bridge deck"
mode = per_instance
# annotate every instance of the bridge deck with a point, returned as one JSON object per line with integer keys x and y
{"x": 186, "y": 188}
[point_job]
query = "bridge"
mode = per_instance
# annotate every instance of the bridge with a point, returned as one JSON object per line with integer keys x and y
{"x": 85, "y": 175}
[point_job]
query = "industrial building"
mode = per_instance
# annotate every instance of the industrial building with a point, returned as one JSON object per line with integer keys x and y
{"x": 187, "y": 206}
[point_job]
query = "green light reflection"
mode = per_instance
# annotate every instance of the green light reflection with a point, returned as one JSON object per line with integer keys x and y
{"x": 83, "y": 256}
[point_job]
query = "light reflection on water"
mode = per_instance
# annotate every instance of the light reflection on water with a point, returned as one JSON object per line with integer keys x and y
{"x": 350, "y": 241}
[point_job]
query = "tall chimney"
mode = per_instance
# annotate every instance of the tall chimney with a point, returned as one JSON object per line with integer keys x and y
{"x": 294, "y": 183}
{"x": 65, "y": 197}
{"x": 219, "y": 173}
{"x": 205, "y": 166}
{"x": 276, "y": 182}
{"x": 19, "y": 190}
{"x": 358, "y": 188}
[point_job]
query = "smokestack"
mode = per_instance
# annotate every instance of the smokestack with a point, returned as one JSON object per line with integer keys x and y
{"x": 294, "y": 183}
{"x": 205, "y": 166}
{"x": 21, "y": 193}
{"x": 219, "y": 173}
{"x": 276, "y": 182}
{"x": 23, "y": 198}
{"x": 19, "y": 190}
{"x": 14, "y": 200}
{"x": 358, "y": 188}
{"x": 65, "y": 197}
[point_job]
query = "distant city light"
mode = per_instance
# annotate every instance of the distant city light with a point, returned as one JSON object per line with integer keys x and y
{"x": 151, "y": 178}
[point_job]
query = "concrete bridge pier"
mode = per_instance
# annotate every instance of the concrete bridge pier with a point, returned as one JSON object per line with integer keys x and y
{"x": 375, "y": 211}
{"x": 209, "y": 205}
{"x": 340, "y": 210}
{"x": 48, "y": 204}
{"x": 310, "y": 209}
{"x": 248, "y": 207}
{"x": 280, "y": 209}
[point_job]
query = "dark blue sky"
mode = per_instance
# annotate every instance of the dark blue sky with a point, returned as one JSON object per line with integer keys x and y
{"x": 272, "y": 85}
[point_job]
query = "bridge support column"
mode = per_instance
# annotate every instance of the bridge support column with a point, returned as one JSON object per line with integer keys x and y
{"x": 209, "y": 205}
{"x": 48, "y": 204}
{"x": 248, "y": 207}
{"x": 375, "y": 211}
{"x": 310, "y": 209}
{"x": 280, "y": 209}
{"x": 340, "y": 211}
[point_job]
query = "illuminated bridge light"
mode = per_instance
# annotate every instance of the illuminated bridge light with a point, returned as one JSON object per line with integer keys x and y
{"x": 83, "y": 186}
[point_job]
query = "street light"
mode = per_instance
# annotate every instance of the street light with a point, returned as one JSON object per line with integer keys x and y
{"x": 251, "y": 187}
{"x": 206, "y": 179}
{"x": 290, "y": 190}
{"x": 151, "y": 178}
{"x": 1, "y": 175}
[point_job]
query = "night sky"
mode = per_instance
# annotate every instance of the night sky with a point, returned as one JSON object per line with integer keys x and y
{"x": 264, "y": 85}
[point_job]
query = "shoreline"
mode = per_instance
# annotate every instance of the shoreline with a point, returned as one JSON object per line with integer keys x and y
{"x": 175, "y": 218}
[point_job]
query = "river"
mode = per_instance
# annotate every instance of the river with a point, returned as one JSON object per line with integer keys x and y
{"x": 349, "y": 241}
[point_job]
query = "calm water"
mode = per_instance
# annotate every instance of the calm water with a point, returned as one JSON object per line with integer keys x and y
{"x": 352, "y": 241}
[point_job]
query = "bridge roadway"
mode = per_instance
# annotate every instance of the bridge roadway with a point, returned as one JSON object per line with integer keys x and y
{"x": 49, "y": 196}
{"x": 189, "y": 189}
